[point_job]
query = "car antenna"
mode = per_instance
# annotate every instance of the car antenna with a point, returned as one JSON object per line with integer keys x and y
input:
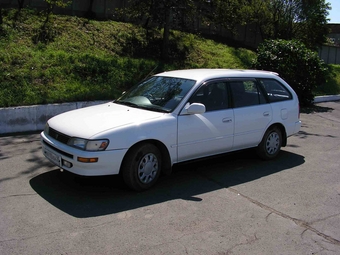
{"x": 149, "y": 74}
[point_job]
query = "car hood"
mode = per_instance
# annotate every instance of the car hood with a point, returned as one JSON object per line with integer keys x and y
{"x": 90, "y": 121}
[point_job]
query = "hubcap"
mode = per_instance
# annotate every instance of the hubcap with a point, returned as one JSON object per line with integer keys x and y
{"x": 148, "y": 168}
{"x": 273, "y": 143}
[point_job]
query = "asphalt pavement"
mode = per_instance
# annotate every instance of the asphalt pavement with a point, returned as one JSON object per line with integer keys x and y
{"x": 233, "y": 204}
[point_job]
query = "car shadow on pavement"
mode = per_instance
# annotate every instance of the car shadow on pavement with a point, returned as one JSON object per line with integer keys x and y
{"x": 84, "y": 197}
{"x": 315, "y": 109}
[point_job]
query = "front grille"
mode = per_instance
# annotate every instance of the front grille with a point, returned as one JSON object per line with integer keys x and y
{"x": 60, "y": 151}
{"x": 58, "y": 136}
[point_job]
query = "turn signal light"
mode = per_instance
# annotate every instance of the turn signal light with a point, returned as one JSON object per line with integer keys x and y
{"x": 87, "y": 160}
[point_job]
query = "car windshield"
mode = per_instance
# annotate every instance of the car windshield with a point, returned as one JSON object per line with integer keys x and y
{"x": 157, "y": 93}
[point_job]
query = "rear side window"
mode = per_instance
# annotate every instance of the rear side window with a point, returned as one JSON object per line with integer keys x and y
{"x": 246, "y": 93}
{"x": 276, "y": 91}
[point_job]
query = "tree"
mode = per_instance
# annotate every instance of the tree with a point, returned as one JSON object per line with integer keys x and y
{"x": 283, "y": 14}
{"x": 305, "y": 20}
{"x": 227, "y": 13}
{"x": 3, "y": 6}
{"x": 162, "y": 14}
{"x": 90, "y": 13}
{"x": 167, "y": 14}
{"x": 21, "y": 4}
{"x": 299, "y": 66}
{"x": 46, "y": 32}
{"x": 311, "y": 24}
{"x": 258, "y": 13}
{"x": 51, "y": 4}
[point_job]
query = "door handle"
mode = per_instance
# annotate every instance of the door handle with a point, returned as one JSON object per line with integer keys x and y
{"x": 266, "y": 114}
{"x": 227, "y": 120}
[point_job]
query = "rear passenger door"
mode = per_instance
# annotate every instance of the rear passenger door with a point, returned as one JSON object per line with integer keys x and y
{"x": 252, "y": 112}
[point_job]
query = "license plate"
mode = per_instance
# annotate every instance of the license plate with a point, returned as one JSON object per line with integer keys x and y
{"x": 55, "y": 159}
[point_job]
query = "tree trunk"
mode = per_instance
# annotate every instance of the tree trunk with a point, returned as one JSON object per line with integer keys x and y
{"x": 0, "y": 17}
{"x": 90, "y": 14}
{"x": 166, "y": 35}
{"x": 21, "y": 4}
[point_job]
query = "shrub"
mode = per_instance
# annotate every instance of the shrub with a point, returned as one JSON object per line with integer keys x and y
{"x": 296, "y": 64}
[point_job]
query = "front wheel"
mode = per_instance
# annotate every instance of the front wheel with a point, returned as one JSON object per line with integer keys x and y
{"x": 142, "y": 167}
{"x": 270, "y": 145}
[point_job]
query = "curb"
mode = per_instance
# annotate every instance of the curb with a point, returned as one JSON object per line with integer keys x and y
{"x": 33, "y": 118}
{"x": 321, "y": 99}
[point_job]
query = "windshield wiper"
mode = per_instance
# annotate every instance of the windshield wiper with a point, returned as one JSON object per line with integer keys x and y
{"x": 153, "y": 108}
{"x": 145, "y": 107}
{"x": 127, "y": 103}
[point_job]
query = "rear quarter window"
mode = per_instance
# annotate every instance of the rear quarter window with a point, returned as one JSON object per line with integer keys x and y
{"x": 275, "y": 91}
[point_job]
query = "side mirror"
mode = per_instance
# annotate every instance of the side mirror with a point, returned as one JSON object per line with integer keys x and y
{"x": 194, "y": 108}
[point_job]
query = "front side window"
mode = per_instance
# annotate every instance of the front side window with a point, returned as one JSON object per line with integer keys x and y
{"x": 275, "y": 90}
{"x": 246, "y": 93}
{"x": 213, "y": 95}
{"x": 157, "y": 93}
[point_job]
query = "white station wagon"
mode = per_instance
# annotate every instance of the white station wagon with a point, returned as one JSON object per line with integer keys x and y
{"x": 174, "y": 117}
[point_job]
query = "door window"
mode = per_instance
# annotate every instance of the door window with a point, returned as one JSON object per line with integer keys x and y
{"x": 213, "y": 95}
{"x": 246, "y": 93}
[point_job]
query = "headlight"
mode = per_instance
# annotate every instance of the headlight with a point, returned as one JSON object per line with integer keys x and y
{"x": 97, "y": 145}
{"x": 78, "y": 143}
{"x": 89, "y": 145}
{"x": 46, "y": 129}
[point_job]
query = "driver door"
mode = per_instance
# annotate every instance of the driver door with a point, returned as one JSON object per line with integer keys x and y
{"x": 208, "y": 133}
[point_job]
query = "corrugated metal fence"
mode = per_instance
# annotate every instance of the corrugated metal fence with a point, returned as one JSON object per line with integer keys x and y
{"x": 330, "y": 54}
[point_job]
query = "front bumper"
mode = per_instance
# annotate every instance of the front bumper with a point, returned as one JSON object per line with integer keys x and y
{"x": 66, "y": 157}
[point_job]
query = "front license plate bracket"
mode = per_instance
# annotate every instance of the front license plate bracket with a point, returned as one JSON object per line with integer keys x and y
{"x": 55, "y": 159}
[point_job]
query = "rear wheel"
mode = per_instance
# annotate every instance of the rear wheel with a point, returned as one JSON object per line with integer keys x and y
{"x": 271, "y": 144}
{"x": 142, "y": 167}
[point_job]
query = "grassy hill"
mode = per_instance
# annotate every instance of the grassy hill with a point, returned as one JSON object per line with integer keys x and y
{"x": 76, "y": 59}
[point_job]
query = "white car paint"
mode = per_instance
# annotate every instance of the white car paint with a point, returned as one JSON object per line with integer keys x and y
{"x": 183, "y": 136}
{"x": 199, "y": 133}
{"x": 90, "y": 122}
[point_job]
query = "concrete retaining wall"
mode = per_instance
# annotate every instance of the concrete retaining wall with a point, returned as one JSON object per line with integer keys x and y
{"x": 33, "y": 118}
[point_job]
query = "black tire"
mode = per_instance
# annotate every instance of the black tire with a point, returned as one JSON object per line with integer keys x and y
{"x": 271, "y": 144}
{"x": 142, "y": 167}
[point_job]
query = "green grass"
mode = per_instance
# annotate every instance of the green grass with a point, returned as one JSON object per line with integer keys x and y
{"x": 79, "y": 59}
{"x": 76, "y": 59}
{"x": 332, "y": 86}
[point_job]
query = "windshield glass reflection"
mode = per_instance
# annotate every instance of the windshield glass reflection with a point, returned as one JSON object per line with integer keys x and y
{"x": 157, "y": 93}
